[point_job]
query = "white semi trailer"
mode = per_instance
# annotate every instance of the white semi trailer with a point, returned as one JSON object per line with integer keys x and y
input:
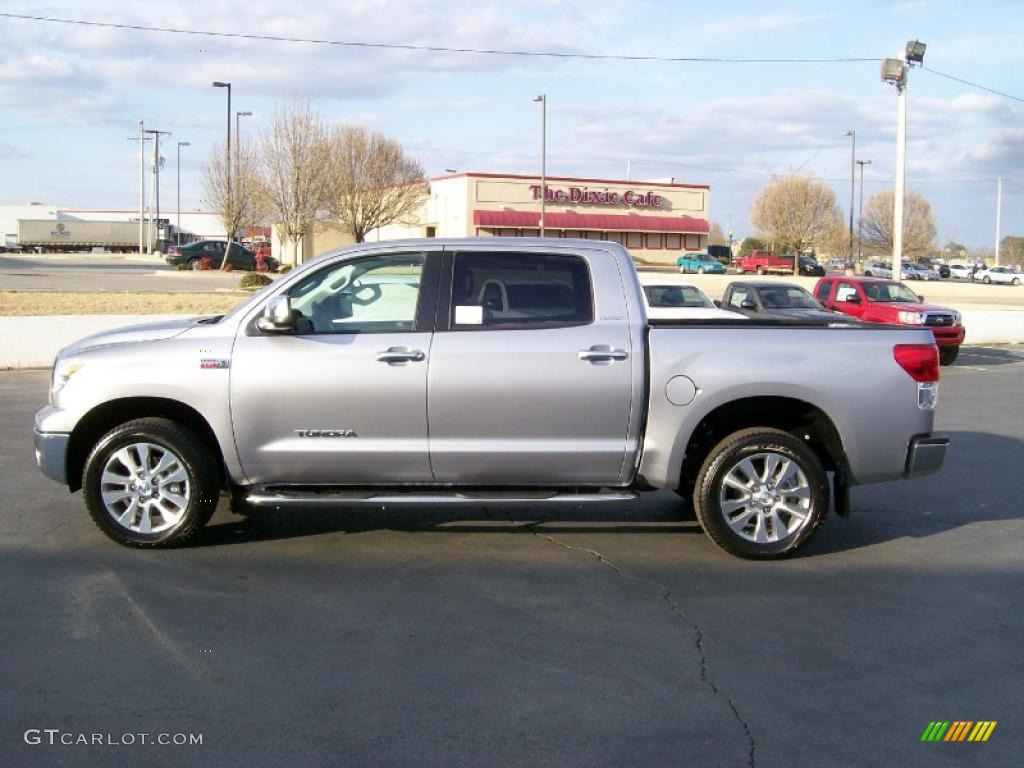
{"x": 74, "y": 235}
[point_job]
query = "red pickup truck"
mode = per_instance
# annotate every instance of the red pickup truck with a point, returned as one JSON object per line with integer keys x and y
{"x": 875, "y": 300}
{"x": 763, "y": 262}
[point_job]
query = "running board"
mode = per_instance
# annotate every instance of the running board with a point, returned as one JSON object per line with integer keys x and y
{"x": 343, "y": 498}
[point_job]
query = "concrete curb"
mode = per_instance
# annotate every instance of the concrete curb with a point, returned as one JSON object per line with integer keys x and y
{"x": 33, "y": 341}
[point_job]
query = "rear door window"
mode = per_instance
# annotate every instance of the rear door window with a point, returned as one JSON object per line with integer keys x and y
{"x": 520, "y": 290}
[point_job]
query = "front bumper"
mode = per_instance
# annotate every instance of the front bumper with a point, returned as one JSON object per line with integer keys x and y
{"x": 51, "y": 454}
{"x": 925, "y": 455}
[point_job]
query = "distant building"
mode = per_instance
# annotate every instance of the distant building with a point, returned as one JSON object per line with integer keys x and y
{"x": 655, "y": 221}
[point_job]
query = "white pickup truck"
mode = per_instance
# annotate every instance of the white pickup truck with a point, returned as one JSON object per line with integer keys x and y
{"x": 485, "y": 370}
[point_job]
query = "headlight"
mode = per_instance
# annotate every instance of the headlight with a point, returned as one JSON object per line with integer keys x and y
{"x": 911, "y": 318}
{"x": 63, "y": 370}
{"x": 957, "y": 318}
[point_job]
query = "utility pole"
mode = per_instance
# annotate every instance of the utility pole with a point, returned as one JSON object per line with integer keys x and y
{"x": 142, "y": 187}
{"x": 177, "y": 178}
{"x": 999, "y": 211}
{"x": 156, "y": 179}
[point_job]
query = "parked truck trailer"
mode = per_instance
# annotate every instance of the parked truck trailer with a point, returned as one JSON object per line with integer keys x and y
{"x": 74, "y": 235}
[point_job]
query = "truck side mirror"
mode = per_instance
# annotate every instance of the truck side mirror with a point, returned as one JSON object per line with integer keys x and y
{"x": 748, "y": 304}
{"x": 853, "y": 298}
{"x": 278, "y": 316}
{"x": 920, "y": 298}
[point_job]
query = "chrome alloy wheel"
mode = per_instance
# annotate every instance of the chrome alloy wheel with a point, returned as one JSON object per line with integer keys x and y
{"x": 145, "y": 488}
{"x": 765, "y": 498}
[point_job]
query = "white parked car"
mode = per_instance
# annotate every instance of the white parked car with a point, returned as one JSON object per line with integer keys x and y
{"x": 681, "y": 301}
{"x": 878, "y": 269}
{"x": 1004, "y": 275}
{"x": 959, "y": 271}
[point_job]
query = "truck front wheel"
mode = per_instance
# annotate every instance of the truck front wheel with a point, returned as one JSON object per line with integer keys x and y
{"x": 761, "y": 494}
{"x": 150, "y": 483}
{"x": 948, "y": 354}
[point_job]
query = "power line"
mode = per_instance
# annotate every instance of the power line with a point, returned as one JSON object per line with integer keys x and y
{"x": 973, "y": 85}
{"x": 442, "y": 48}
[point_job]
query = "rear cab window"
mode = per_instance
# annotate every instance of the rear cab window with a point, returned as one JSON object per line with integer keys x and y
{"x": 823, "y": 290}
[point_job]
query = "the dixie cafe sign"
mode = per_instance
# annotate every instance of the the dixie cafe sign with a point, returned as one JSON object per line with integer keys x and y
{"x": 598, "y": 197}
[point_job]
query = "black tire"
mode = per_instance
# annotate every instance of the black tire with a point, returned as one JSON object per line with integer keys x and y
{"x": 986, "y": 280}
{"x": 193, "y": 458}
{"x": 948, "y": 354}
{"x": 193, "y": 264}
{"x": 757, "y": 445}
{"x": 1015, "y": 281}
{"x": 760, "y": 270}
{"x": 867, "y": 273}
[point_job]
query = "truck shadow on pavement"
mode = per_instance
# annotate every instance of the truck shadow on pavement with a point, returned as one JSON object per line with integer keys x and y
{"x": 971, "y": 488}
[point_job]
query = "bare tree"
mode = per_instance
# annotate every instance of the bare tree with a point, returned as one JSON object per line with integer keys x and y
{"x": 373, "y": 182}
{"x": 795, "y": 212}
{"x": 295, "y": 163}
{"x": 235, "y": 192}
{"x": 919, "y": 228}
{"x": 715, "y": 235}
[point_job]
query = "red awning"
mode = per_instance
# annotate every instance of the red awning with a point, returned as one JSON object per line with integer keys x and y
{"x": 601, "y": 222}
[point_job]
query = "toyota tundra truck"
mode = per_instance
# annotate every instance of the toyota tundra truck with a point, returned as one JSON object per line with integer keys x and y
{"x": 484, "y": 371}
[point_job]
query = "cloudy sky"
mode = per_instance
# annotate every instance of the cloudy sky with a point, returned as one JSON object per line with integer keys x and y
{"x": 71, "y": 95}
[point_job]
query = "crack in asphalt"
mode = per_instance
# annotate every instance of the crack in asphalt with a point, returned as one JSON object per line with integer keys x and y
{"x": 677, "y": 610}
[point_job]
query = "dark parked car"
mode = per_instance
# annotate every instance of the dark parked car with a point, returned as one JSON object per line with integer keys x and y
{"x": 810, "y": 267}
{"x": 760, "y": 298}
{"x": 192, "y": 254}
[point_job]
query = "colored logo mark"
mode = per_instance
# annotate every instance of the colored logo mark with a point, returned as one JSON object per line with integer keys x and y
{"x": 959, "y": 730}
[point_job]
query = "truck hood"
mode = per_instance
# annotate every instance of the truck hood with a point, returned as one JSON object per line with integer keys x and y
{"x": 912, "y": 306}
{"x": 164, "y": 329}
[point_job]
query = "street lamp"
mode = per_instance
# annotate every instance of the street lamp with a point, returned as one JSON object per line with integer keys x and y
{"x": 860, "y": 219}
{"x": 227, "y": 154}
{"x": 543, "y": 99}
{"x": 895, "y": 71}
{"x": 852, "y": 133}
{"x": 178, "y": 228}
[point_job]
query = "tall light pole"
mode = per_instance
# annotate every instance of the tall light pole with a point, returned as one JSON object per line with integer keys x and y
{"x": 227, "y": 153}
{"x": 999, "y": 212}
{"x": 852, "y": 133}
{"x": 860, "y": 219}
{"x": 178, "y": 179}
{"x": 895, "y": 71}
{"x": 238, "y": 147}
{"x": 543, "y": 99}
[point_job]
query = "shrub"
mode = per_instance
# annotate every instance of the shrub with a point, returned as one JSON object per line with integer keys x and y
{"x": 253, "y": 280}
{"x": 284, "y": 268}
{"x": 182, "y": 267}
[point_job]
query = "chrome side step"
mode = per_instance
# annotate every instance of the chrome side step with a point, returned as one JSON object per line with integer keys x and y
{"x": 276, "y": 498}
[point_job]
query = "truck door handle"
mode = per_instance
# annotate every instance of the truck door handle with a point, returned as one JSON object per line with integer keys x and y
{"x": 400, "y": 355}
{"x": 603, "y": 353}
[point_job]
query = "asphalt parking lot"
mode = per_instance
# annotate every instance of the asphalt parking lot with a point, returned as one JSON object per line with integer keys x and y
{"x": 611, "y": 636}
{"x": 103, "y": 272}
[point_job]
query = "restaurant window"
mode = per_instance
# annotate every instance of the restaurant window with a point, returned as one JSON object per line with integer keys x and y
{"x": 655, "y": 242}
{"x": 574, "y": 233}
{"x": 531, "y": 233}
{"x": 634, "y": 240}
{"x": 617, "y": 237}
{"x": 693, "y": 242}
{"x": 674, "y": 242}
{"x": 595, "y": 235}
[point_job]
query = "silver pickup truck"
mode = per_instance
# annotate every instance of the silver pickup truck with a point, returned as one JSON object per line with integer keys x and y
{"x": 484, "y": 371}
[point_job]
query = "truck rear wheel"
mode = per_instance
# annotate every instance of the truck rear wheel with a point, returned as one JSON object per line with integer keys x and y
{"x": 761, "y": 494}
{"x": 150, "y": 483}
{"x": 760, "y": 270}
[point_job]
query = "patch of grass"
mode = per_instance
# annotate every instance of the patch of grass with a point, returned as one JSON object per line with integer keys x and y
{"x": 116, "y": 303}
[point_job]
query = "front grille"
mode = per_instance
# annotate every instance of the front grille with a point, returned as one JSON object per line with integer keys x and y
{"x": 939, "y": 320}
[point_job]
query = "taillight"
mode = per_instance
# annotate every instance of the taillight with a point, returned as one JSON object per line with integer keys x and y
{"x": 172, "y": 251}
{"x": 921, "y": 361}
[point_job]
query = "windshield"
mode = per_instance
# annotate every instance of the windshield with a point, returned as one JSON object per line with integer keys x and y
{"x": 788, "y": 297}
{"x": 675, "y": 296}
{"x": 886, "y": 292}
